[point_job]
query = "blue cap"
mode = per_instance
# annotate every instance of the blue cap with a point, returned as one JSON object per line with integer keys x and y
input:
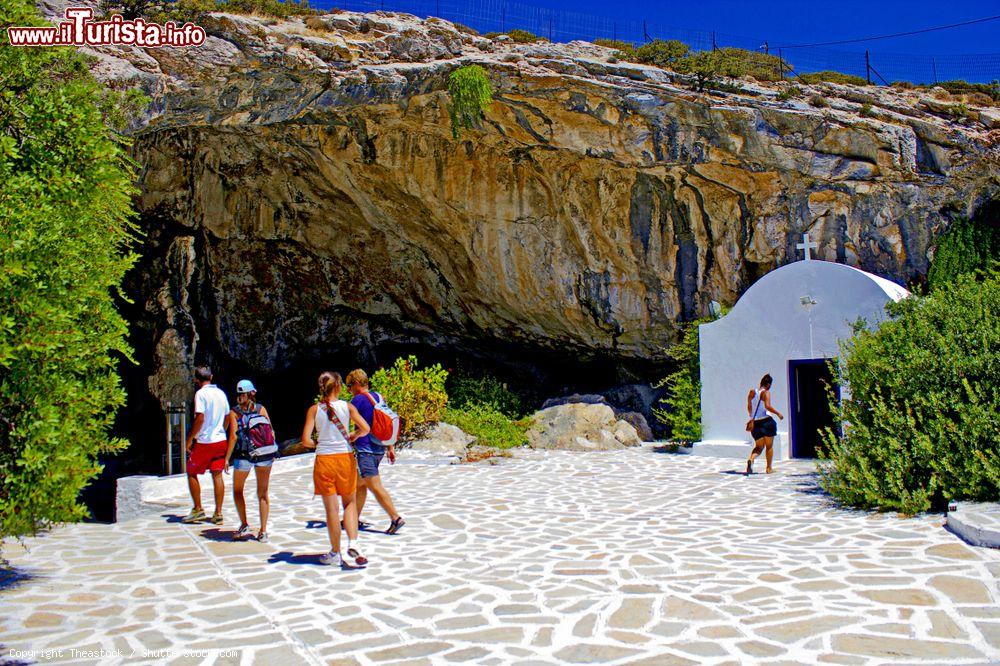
{"x": 245, "y": 386}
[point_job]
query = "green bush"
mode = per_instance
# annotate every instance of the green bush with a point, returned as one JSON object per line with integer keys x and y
{"x": 464, "y": 389}
{"x": 272, "y": 8}
{"x": 682, "y": 402}
{"x": 969, "y": 245}
{"x": 417, "y": 395}
{"x": 866, "y": 110}
{"x": 819, "y": 102}
{"x": 789, "y": 93}
{"x": 616, "y": 44}
{"x": 659, "y": 52}
{"x": 524, "y": 37}
{"x": 488, "y": 424}
{"x": 922, "y": 423}
{"x": 827, "y": 76}
{"x": 66, "y": 188}
{"x": 960, "y": 87}
{"x": 471, "y": 95}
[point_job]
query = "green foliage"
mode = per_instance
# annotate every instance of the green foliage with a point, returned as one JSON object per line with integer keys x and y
{"x": 417, "y": 395}
{"x": 524, "y": 37}
{"x": 970, "y": 245}
{"x": 273, "y": 8}
{"x": 827, "y": 76}
{"x": 959, "y": 87}
{"x": 488, "y": 424}
{"x": 922, "y": 423}
{"x": 682, "y": 403}
{"x": 471, "y": 95}
{"x": 866, "y": 110}
{"x": 660, "y": 53}
{"x": 617, "y": 45}
{"x": 465, "y": 389}
{"x": 129, "y": 9}
{"x": 66, "y": 188}
{"x": 819, "y": 102}
{"x": 789, "y": 93}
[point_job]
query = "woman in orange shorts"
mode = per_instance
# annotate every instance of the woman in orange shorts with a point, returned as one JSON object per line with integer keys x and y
{"x": 336, "y": 472}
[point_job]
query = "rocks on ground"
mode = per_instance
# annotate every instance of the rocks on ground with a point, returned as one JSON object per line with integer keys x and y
{"x": 581, "y": 427}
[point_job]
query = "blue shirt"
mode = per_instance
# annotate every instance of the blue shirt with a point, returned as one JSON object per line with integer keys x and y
{"x": 367, "y": 410}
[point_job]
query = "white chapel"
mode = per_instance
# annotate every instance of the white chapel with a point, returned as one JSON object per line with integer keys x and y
{"x": 790, "y": 324}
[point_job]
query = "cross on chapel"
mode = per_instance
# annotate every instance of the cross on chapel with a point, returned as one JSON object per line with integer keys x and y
{"x": 805, "y": 245}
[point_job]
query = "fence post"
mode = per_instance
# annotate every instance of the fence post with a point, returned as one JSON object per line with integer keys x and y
{"x": 645, "y": 33}
{"x": 714, "y": 47}
{"x": 766, "y": 52}
{"x": 614, "y": 32}
{"x": 503, "y": 7}
{"x": 550, "y": 26}
{"x": 781, "y": 65}
{"x": 868, "y": 67}
{"x": 437, "y": 8}
{"x": 934, "y": 67}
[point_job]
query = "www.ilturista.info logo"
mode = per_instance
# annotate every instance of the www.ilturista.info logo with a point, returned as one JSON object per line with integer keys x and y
{"x": 79, "y": 29}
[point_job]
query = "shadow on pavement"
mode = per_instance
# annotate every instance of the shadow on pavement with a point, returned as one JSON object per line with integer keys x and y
{"x": 11, "y": 578}
{"x": 286, "y": 557}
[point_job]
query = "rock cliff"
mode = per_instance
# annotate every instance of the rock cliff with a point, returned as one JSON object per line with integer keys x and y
{"x": 302, "y": 192}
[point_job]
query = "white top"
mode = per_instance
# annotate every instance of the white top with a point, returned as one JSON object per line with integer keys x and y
{"x": 212, "y": 402}
{"x": 759, "y": 410}
{"x": 331, "y": 439}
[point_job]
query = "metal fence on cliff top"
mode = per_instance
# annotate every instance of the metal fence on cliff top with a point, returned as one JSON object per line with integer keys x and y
{"x": 563, "y": 26}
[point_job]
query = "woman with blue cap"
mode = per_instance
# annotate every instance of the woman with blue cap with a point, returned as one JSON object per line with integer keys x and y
{"x": 246, "y": 454}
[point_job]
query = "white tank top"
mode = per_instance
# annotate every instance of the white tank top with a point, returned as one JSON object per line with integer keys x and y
{"x": 759, "y": 411}
{"x": 331, "y": 439}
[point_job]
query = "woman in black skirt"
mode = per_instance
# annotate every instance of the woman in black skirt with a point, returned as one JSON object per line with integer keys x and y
{"x": 764, "y": 427}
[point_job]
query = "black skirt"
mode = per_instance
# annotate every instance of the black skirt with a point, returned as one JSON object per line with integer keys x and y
{"x": 764, "y": 428}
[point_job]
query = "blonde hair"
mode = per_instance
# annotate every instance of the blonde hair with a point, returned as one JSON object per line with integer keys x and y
{"x": 329, "y": 385}
{"x": 359, "y": 377}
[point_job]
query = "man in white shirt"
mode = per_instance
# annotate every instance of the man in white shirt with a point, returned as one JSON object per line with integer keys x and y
{"x": 207, "y": 444}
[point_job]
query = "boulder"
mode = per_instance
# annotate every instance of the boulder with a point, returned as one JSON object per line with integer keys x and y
{"x": 576, "y": 398}
{"x": 444, "y": 439}
{"x": 638, "y": 421}
{"x": 580, "y": 427}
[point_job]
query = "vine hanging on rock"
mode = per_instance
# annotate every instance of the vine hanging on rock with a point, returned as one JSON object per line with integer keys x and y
{"x": 471, "y": 95}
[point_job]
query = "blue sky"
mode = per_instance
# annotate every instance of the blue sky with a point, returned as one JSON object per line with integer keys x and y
{"x": 798, "y": 21}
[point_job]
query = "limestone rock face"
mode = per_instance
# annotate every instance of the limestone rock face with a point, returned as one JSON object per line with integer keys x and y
{"x": 304, "y": 174}
{"x": 580, "y": 427}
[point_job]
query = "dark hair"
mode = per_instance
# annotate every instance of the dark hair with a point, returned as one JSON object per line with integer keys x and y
{"x": 203, "y": 373}
{"x": 766, "y": 381}
{"x": 329, "y": 384}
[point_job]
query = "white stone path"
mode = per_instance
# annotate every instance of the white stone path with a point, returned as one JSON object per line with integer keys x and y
{"x": 622, "y": 557}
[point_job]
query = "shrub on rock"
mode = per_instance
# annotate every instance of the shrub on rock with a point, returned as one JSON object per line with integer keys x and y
{"x": 922, "y": 422}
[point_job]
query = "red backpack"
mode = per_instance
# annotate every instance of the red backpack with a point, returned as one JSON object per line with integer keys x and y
{"x": 385, "y": 422}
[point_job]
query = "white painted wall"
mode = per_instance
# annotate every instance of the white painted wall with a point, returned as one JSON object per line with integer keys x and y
{"x": 769, "y": 326}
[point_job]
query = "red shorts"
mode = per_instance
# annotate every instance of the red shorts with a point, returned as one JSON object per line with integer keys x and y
{"x": 207, "y": 457}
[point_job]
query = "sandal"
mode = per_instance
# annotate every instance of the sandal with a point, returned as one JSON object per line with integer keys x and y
{"x": 395, "y": 525}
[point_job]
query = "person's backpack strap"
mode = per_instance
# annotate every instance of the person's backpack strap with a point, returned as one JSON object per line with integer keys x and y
{"x": 339, "y": 423}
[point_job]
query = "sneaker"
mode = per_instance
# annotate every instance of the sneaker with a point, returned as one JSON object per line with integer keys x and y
{"x": 355, "y": 555}
{"x": 263, "y": 538}
{"x": 243, "y": 533}
{"x": 195, "y": 516}
{"x": 216, "y": 519}
{"x": 330, "y": 558}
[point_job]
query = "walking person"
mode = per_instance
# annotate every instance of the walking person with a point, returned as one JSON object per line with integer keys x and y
{"x": 335, "y": 472}
{"x": 207, "y": 444}
{"x": 370, "y": 451}
{"x": 762, "y": 426}
{"x": 251, "y": 447}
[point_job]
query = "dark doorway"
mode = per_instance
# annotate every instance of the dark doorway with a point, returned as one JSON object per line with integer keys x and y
{"x": 809, "y": 381}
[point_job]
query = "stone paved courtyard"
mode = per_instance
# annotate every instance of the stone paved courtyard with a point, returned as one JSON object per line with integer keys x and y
{"x": 627, "y": 557}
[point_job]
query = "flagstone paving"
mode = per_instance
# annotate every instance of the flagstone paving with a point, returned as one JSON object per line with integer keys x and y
{"x": 623, "y": 557}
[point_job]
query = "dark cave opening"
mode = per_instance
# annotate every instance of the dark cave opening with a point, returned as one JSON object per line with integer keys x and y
{"x": 534, "y": 373}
